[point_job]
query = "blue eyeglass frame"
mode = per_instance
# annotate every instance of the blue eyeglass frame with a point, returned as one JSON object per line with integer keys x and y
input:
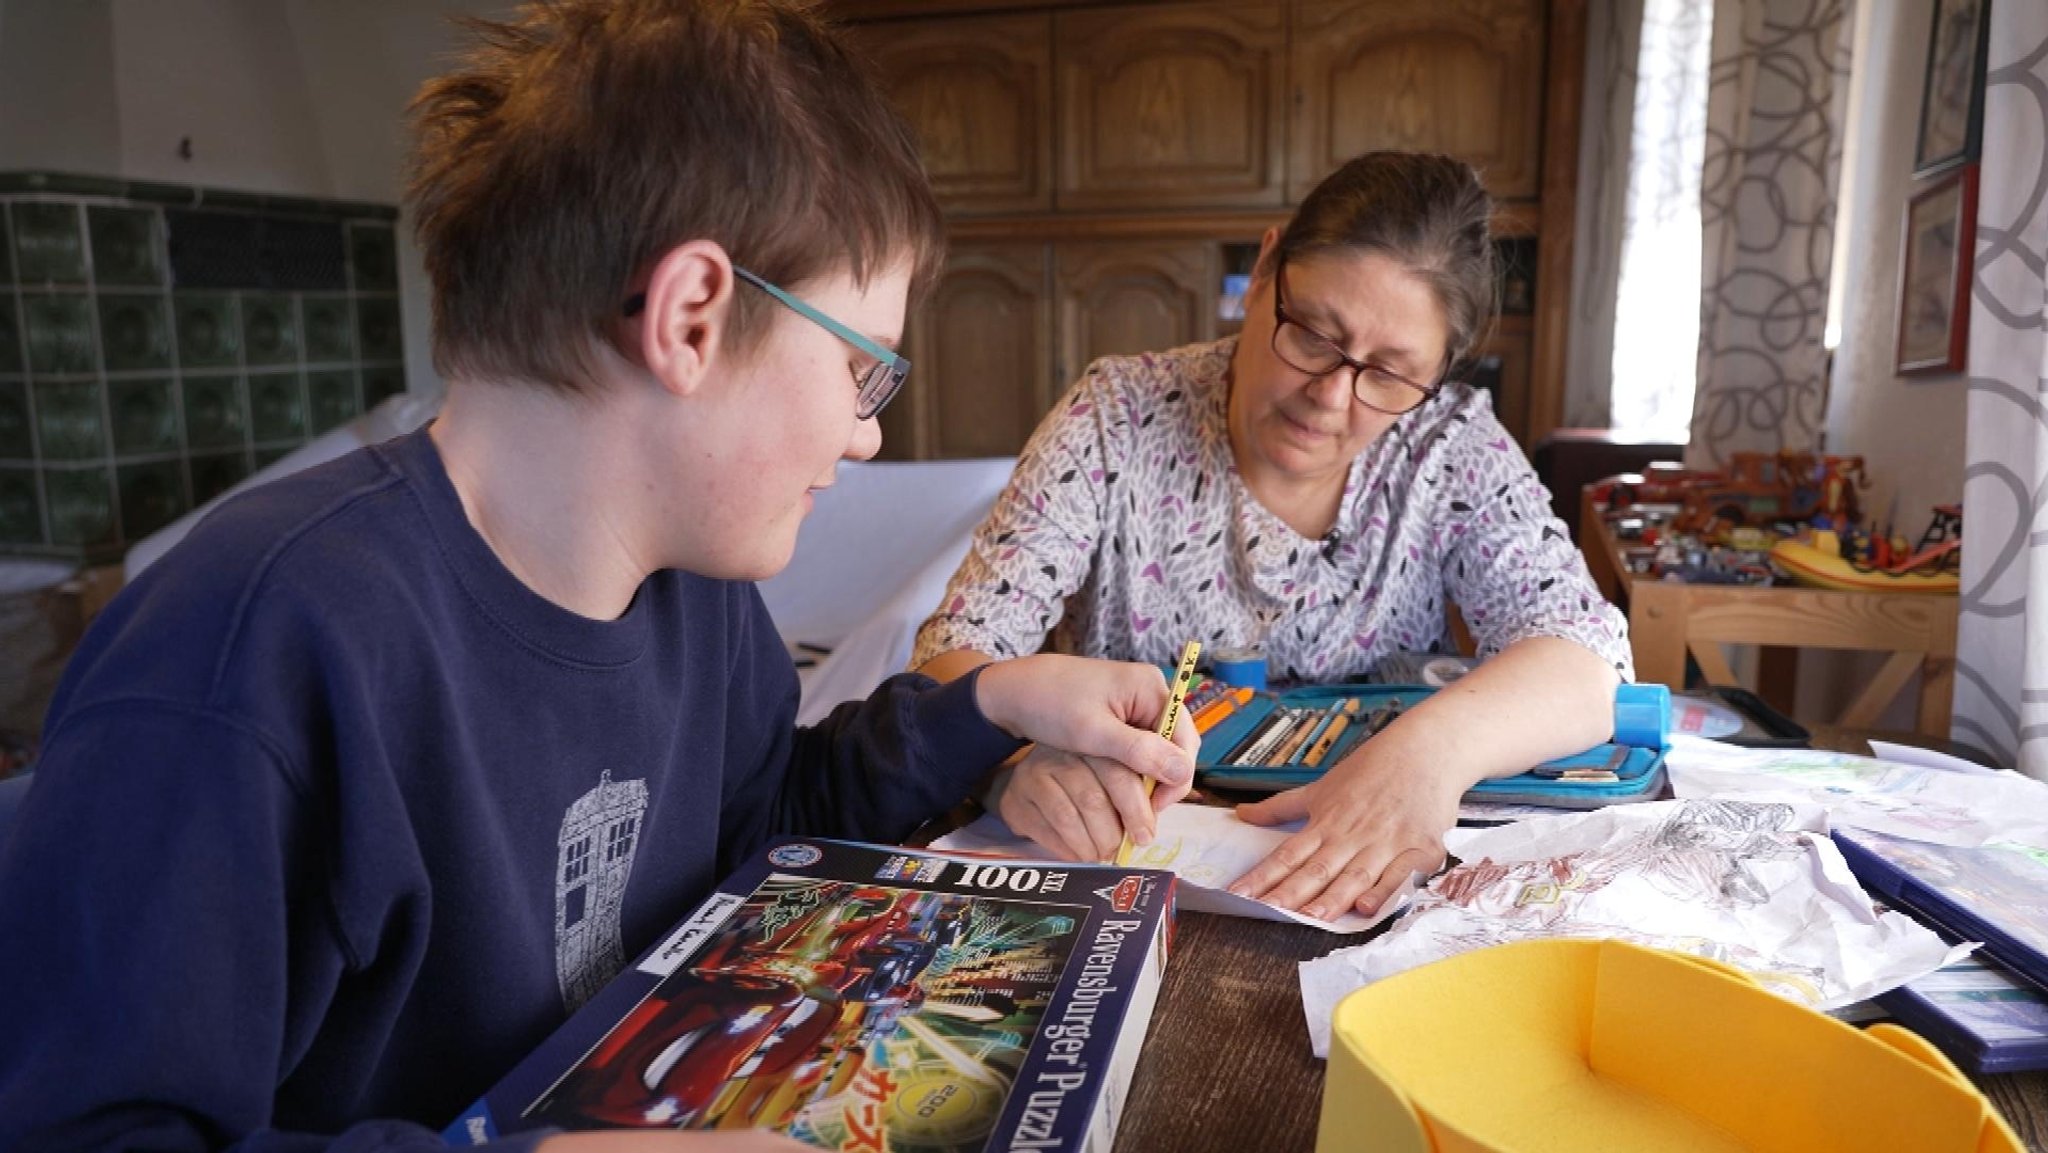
{"x": 877, "y": 386}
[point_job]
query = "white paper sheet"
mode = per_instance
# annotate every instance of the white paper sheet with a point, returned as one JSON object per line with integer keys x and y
{"x": 1933, "y": 805}
{"x": 1757, "y": 886}
{"x": 1927, "y": 759}
{"x": 1205, "y": 846}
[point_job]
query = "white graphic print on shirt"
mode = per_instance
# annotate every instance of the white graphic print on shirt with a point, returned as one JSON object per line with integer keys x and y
{"x": 594, "y": 858}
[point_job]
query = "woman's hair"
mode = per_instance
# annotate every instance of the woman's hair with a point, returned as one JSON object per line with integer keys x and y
{"x": 1428, "y": 212}
{"x": 579, "y": 142}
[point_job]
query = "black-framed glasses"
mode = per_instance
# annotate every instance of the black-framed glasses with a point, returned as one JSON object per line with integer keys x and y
{"x": 1303, "y": 349}
{"x": 877, "y": 384}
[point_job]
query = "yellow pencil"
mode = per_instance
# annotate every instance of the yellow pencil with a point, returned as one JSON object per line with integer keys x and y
{"x": 1175, "y": 694}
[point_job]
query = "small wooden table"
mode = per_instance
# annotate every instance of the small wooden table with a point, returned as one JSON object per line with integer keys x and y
{"x": 1667, "y": 620}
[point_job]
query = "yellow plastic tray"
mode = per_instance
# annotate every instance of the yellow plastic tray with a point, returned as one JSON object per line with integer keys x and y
{"x": 1605, "y": 1045}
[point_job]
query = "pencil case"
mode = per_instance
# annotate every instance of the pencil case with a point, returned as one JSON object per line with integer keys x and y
{"x": 1279, "y": 740}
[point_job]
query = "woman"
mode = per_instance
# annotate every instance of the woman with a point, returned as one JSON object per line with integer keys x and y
{"x": 1316, "y": 489}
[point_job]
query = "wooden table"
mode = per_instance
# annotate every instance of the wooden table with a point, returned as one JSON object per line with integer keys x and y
{"x": 1668, "y": 621}
{"x": 1226, "y": 1065}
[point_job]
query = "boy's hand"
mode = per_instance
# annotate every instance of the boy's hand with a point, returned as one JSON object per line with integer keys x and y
{"x": 1078, "y": 808}
{"x": 1093, "y": 721}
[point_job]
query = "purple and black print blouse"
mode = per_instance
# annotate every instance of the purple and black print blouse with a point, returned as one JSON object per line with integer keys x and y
{"x": 1128, "y": 527}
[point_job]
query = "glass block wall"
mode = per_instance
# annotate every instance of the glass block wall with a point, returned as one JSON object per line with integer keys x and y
{"x": 159, "y": 343}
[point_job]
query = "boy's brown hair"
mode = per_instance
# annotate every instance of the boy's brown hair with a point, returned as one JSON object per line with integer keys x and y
{"x": 581, "y": 141}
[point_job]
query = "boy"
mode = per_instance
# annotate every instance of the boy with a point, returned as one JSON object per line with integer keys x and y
{"x": 350, "y": 800}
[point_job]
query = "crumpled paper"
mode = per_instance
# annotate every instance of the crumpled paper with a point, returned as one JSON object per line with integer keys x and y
{"x": 1757, "y": 885}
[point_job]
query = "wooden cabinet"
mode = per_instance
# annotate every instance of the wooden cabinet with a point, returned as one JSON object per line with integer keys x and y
{"x": 1010, "y": 326}
{"x": 980, "y": 358}
{"x": 1117, "y": 299}
{"x": 1464, "y": 77}
{"x": 978, "y": 91}
{"x": 1178, "y": 106}
{"x": 1094, "y": 159}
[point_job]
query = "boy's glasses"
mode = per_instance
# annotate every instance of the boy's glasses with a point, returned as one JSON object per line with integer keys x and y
{"x": 1303, "y": 349}
{"x": 877, "y": 384}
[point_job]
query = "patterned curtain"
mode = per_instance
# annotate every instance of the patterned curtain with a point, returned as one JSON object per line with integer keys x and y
{"x": 2002, "y": 639}
{"x": 1776, "y": 113}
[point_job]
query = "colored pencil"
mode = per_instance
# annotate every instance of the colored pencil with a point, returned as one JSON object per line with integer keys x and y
{"x": 1257, "y": 754}
{"x": 1251, "y": 739}
{"x": 1213, "y": 713}
{"x": 1322, "y": 724}
{"x": 1329, "y": 738}
{"x": 1304, "y": 724}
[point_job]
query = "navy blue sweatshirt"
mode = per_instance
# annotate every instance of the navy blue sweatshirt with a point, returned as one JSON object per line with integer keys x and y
{"x": 336, "y": 819}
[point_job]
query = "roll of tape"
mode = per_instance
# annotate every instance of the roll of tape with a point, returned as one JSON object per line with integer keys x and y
{"x": 1642, "y": 716}
{"x": 1242, "y": 668}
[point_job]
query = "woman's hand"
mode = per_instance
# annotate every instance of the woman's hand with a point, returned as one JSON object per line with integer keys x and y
{"x": 1082, "y": 787}
{"x": 1382, "y": 813}
{"x": 1372, "y": 821}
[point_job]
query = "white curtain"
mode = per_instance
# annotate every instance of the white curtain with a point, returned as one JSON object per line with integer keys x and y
{"x": 2002, "y": 642}
{"x": 1657, "y": 311}
{"x": 1606, "y": 112}
{"x": 1776, "y": 115}
{"x": 1635, "y": 304}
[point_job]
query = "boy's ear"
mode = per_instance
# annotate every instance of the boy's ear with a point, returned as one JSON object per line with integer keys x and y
{"x": 689, "y": 303}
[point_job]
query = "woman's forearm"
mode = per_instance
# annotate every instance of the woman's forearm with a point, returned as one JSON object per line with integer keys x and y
{"x": 1540, "y": 698}
{"x": 953, "y": 664}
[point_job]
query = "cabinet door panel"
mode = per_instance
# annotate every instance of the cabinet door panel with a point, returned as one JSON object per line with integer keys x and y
{"x": 978, "y": 92}
{"x": 1458, "y": 76}
{"x": 980, "y": 354}
{"x": 1176, "y": 106}
{"x": 1117, "y": 299}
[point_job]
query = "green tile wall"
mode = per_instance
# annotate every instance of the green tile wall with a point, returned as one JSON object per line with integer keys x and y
{"x": 126, "y": 402}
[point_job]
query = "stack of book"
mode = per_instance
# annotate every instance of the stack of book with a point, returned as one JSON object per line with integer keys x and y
{"x": 1989, "y": 1013}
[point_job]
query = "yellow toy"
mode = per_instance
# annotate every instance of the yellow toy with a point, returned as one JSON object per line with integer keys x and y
{"x": 1583, "y": 1045}
{"x": 1816, "y": 565}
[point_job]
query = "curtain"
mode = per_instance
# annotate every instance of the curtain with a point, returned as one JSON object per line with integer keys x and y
{"x": 1607, "y": 112}
{"x": 1657, "y": 315}
{"x": 1777, "y": 108}
{"x": 2002, "y": 638}
{"x": 1635, "y": 308}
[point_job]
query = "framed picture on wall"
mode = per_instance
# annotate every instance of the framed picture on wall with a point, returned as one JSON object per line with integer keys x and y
{"x": 1952, "y": 100}
{"x": 1934, "y": 275}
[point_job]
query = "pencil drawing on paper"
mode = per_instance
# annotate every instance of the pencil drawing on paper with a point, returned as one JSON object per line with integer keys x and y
{"x": 1704, "y": 854}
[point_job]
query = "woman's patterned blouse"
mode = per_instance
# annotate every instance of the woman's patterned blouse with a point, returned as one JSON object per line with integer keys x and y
{"x": 1127, "y": 525}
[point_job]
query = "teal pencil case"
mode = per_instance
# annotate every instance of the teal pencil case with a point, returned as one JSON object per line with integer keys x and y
{"x": 1278, "y": 740}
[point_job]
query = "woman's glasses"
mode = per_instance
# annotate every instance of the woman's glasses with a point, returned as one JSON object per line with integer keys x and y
{"x": 1303, "y": 349}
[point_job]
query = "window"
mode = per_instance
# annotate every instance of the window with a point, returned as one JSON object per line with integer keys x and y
{"x": 1657, "y": 313}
